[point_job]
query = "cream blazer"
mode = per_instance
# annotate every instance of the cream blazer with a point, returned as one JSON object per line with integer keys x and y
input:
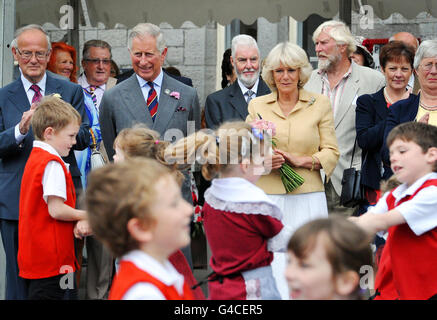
{"x": 307, "y": 131}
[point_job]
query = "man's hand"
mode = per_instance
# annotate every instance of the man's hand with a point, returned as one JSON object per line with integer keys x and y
{"x": 26, "y": 118}
{"x": 82, "y": 229}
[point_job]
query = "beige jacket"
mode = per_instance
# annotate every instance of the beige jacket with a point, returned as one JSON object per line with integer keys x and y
{"x": 362, "y": 80}
{"x": 307, "y": 131}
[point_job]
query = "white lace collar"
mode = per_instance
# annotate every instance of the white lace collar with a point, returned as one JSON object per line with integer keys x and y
{"x": 240, "y": 196}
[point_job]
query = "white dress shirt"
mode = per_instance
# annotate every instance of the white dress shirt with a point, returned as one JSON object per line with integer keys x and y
{"x": 165, "y": 273}
{"x": 157, "y": 84}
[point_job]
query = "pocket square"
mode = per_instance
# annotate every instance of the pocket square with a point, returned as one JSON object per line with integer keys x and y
{"x": 181, "y": 109}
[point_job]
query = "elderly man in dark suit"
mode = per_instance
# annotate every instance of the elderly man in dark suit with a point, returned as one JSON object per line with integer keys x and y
{"x": 231, "y": 102}
{"x": 18, "y": 100}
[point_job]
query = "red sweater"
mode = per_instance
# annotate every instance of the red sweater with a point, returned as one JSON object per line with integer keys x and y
{"x": 45, "y": 245}
{"x": 408, "y": 263}
{"x": 129, "y": 275}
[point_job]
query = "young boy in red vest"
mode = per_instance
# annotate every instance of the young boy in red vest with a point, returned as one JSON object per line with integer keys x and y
{"x": 408, "y": 263}
{"x": 48, "y": 220}
{"x": 136, "y": 209}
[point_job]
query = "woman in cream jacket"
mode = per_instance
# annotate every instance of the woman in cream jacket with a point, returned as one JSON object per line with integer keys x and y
{"x": 305, "y": 139}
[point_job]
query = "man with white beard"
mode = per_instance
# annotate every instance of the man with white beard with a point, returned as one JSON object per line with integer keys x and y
{"x": 343, "y": 81}
{"x": 231, "y": 102}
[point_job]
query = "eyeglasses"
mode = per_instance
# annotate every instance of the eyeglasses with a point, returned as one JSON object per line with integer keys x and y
{"x": 27, "y": 55}
{"x": 428, "y": 66}
{"x": 106, "y": 62}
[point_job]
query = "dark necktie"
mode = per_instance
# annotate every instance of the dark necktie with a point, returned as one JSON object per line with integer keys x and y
{"x": 152, "y": 101}
{"x": 249, "y": 94}
{"x": 37, "y": 96}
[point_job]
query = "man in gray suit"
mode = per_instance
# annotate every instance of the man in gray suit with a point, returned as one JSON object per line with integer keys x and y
{"x": 231, "y": 102}
{"x": 343, "y": 81}
{"x": 150, "y": 96}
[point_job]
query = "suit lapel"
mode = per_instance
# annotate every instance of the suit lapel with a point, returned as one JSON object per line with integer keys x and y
{"x": 380, "y": 104}
{"x": 349, "y": 96}
{"x": 52, "y": 86}
{"x": 134, "y": 102}
{"x": 263, "y": 88}
{"x": 166, "y": 106}
{"x": 18, "y": 96}
{"x": 237, "y": 101}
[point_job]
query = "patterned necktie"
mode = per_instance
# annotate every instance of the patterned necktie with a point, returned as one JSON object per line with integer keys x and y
{"x": 152, "y": 101}
{"x": 37, "y": 96}
{"x": 249, "y": 94}
{"x": 92, "y": 90}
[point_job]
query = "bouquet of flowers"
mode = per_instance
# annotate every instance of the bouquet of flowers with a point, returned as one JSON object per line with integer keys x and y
{"x": 290, "y": 178}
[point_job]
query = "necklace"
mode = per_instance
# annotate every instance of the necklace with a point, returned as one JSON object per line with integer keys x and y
{"x": 390, "y": 101}
{"x": 426, "y": 107}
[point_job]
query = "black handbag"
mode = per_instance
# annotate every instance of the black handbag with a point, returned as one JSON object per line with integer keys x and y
{"x": 351, "y": 191}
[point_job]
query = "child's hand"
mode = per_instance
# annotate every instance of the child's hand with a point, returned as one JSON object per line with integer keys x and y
{"x": 82, "y": 229}
{"x": 367, "y": 222}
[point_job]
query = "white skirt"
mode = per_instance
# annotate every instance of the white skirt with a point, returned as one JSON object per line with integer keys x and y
{"x": 297, "y": 210}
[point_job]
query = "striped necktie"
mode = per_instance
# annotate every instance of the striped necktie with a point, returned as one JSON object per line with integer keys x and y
{"x": 92, "y": 90}
{"x": 37, "y": 96}
{"x": 152, "y": 101}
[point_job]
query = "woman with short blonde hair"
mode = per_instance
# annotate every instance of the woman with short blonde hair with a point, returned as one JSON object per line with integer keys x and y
{"x": 305, "y": 139}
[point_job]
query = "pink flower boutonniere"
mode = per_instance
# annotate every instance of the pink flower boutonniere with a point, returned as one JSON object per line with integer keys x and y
{"x": 175, "y": 95}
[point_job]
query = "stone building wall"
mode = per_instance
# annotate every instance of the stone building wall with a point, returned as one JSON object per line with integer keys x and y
{"x": 424, "y": 26}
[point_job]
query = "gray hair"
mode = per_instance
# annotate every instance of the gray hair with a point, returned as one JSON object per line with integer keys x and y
{"x": 338, "y": 31}
{"x": 147, "y": 29}
{"x": 243, "y": 40}
{"x": 427, "y": 49}
{"x": 290, "y": 55}
{"x": 19, "y": 31}
{"x": 95, "y": 44}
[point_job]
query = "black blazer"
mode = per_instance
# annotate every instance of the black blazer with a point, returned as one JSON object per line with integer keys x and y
{"x": 400, "y": 112}
{"x": 229, "y": 104}
{"x": 371, "y": 114}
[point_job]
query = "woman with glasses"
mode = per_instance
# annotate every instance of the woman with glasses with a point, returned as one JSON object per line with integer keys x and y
{"x": 396, "y": 60}
{"x": 423, "y": 107}
{"x": 63, "y": 61}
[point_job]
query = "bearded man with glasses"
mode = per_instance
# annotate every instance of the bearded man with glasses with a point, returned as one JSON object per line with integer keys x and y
{"x": 18, "y": 101}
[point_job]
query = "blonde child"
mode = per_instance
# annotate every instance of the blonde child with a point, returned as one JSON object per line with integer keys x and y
{"x": 47, "y": 215}
{"x": 242, "y": 225}
{"x": 136, "y": 209}
{"x": 407, "y": 267}
{"x": 140, "y": 141}
{"x": 325, "y": 258}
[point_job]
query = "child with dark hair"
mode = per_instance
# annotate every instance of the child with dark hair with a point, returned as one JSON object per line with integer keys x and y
{"x": 325, "y": 260}
{"x": 407, "y": 268}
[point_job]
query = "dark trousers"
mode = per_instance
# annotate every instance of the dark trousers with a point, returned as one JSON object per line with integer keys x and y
{"x": 53, "y": 288}
{"x": 16, "y": 287}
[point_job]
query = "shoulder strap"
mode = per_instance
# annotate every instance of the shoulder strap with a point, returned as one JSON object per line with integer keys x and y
{"x": 353, "y": 152}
